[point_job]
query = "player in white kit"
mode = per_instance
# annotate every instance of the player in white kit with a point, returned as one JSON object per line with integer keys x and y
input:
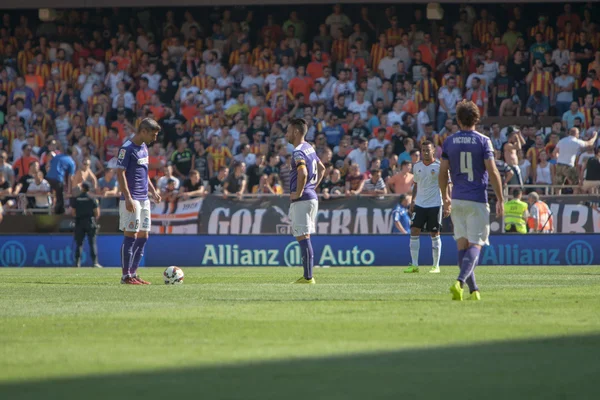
{"x": 426, "y": 208}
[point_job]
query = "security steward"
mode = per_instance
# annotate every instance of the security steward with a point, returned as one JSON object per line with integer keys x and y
{"x": 86, "y": 212}
{"x": 516, "y": 214}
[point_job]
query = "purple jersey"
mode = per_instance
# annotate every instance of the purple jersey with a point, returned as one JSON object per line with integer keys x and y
{"x": 466, "y": 152}
{"x": 134, "y": 160}
{"x": 304, "y": 154}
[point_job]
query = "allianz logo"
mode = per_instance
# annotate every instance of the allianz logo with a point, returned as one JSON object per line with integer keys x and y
{"x": 13, "y": 253}
{"x": 578, "y": 252}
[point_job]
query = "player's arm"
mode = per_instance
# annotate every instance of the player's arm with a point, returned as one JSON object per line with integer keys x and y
{"x": 152, "y": 191}
{"x": 398, "y": 224}
{"x": 129, "y": 205}
{"x": 302, "y": 178}
{"x": 413, "y": 197}
{"x": 320, "y": 173}
{"x": 496, "y": 181}
{"x": 443, "y": 180}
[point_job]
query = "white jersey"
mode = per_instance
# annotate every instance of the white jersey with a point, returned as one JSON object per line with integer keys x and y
{"x": 428, "y": 188}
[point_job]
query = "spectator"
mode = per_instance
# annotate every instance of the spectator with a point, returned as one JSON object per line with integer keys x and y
{"x": 402, "y": 181}
{"x": 448, "y": 96}
{"x": 108, "y": 188}
{"x": 236, "y": 182}
{"x": 591, "y": 174}
{"x": 564, "y": 84}
{"x": 62, "y": 167}
{"x": 168, "y": 175}
{"x": 40, "y": 190}
{"x": 374, "y": 184}
{"x": 359, "y": 156}
{"x": 537, "y": 105}
{"x": 333, "y": 185}
{"x": 6, "y": 169}
{"x": 569, "y": 117}
{"x": 566, "y": 152}
{"x": 192, "y": 186}
{"x": 354, "y": 180}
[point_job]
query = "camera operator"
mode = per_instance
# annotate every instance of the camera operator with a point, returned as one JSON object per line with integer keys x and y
{"x": 86, "y": 212}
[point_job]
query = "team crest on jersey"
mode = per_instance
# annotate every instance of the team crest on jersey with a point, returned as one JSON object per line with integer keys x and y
{"x": 122, "y": 153}
{"x": 432, "y": 172}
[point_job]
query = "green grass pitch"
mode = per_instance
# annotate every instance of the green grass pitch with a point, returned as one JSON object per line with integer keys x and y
{"x": 246, "y": 333}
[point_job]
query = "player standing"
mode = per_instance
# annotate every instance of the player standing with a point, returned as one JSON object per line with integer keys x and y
{"x": 134, "y": 207}
{"x": 426, "y": 207}
{"x": 469, "y": 156}
{"x": 306, "y": 174}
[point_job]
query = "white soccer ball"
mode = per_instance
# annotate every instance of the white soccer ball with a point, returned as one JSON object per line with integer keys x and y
{"x": 173, "y": 275}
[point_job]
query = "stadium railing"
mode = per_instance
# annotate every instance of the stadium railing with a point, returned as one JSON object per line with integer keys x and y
{"x": 19, "y": 204}
{"x": 543, "y": 190}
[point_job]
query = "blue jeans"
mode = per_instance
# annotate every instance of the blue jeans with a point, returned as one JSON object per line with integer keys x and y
{"x": 562, "y": 107}
{"x": 441, "y": 120}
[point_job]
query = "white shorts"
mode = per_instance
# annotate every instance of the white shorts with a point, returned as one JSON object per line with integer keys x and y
{"x": 136, "y": 221}
{"x": 304, "y": 216}
{"x": 471, "y": 220}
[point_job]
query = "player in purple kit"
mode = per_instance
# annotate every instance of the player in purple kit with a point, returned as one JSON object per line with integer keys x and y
{"x": 134, "y": 208}
{"x": 307, "y": 172}
{"x": 469, "y": 157}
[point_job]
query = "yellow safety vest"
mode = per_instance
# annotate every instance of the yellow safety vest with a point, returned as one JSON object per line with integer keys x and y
{"x": 513, "y": 215}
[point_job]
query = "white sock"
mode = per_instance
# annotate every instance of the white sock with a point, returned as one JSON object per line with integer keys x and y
{"x": 415, "y": 244}
{"x": 436, "y": 250}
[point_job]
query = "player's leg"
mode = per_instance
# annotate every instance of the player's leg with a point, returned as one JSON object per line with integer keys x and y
{"x": 91, "y": 235}
{"x": 414, "y": 246}
{"x": 478, "y": 233}
{"x": 418, "y": 220}
{"x": 130, "y": 224}
{"x": 303, "y": 214}
{"x": 79, "y": 235}
{"x": 140, "y": 242}
{"x": 434, "y": 225}
{"x": 459, "y": 217}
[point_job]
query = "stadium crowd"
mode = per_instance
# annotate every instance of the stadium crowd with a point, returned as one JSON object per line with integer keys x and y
{"x": 224, "y": 83}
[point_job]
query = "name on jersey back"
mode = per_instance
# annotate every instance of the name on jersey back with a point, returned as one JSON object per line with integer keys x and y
{"x": 464, "y": 140}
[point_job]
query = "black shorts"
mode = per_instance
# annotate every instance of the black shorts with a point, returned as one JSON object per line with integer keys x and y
{"x": 427, "y": 219}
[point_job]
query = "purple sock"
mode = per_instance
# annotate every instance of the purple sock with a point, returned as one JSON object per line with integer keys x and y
{"x": 138, "y": 252}
{"x": 469, "y": 262}
{"x": 471, "y": 282}
{"x": 307, "y": 257}
{"x": 461, "y": 255}
{"x": 126, "y": 255}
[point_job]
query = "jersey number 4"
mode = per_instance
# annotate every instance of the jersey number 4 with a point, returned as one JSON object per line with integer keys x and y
{"x": 313, "y": 178}
{"x": 466, "y": 164}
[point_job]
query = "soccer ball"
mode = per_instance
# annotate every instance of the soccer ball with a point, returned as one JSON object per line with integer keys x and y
{"x": 173, "y": 275}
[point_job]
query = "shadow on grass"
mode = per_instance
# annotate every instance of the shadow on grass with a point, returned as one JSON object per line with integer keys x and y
{"x": 554, "y": 368}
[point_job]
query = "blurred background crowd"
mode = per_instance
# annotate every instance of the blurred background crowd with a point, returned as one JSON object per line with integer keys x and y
{"x": 372, "y": 83}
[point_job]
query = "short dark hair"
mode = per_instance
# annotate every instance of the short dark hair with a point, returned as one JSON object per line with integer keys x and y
{"x": 405, "y": 162}
{"x": 427, "y": 143}
{"x": 300, "y": 125}
{"x": 517, "y": 192}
